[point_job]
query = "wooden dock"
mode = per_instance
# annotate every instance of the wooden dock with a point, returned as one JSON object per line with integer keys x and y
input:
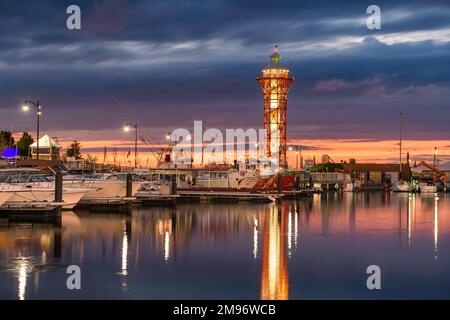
{"x": 106, "y": 205}
{"x": 156, "y": 200}
{"x": 225, "y": 196}
{"x": 295, "y": 194}
{"x": 34, "y": 212}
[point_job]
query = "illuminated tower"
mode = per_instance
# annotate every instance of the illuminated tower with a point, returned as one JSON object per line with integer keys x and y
{"x": 275, "y": 83}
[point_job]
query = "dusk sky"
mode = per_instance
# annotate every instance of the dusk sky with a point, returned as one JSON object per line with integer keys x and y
{"x": 173, "y": 62}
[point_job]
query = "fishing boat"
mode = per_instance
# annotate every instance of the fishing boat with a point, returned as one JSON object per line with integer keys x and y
{"x": 246, "y": 177}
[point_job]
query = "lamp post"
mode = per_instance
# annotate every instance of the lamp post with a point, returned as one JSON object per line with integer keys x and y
{"x": 126, "y": 128}
{"x": 26, "y": 107}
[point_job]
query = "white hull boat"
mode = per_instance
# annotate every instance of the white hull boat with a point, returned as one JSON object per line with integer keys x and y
{"x": 104, "y": 189}
{"x": 30, "y": 186}
{"x": 401, "y": 186}
{"x": 25, "y": 195}
{"x": 427, "y": 189}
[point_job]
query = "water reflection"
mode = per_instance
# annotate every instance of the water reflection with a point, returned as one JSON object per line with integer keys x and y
{"x": 436, "y": 226}
{"x": 22, "y": 269}
{"x": 24, "y": 251}
{"x": 124, "y": 264}
{"x": 228, "y": 250}
{"x": 255, "y": 238}
{"x": 274, "y": 276}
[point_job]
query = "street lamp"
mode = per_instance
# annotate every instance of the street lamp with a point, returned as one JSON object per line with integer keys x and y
{"x": 127, "y": 128}
{"x": 26, "y": 108}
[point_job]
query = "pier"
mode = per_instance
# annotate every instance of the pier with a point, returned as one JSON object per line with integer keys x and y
{"x": 225, "y": 196}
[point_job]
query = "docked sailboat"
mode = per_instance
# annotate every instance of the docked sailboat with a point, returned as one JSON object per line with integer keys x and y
{"x": 245, "y": 177}
{"x": 401, "y": 185}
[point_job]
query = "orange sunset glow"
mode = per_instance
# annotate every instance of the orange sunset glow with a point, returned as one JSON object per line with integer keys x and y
{"x": 376, "y": 151}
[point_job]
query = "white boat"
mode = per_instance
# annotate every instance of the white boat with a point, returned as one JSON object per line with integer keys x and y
{"x": 30, "y": 186}
{"x": 401, "y": 186}
{"x": 425, "y": 188}
{"x": 20, "y": 194}
{"x": 232, "y": 178}
{"x": 102, "y": 187}
{"x": 245, "y": 177}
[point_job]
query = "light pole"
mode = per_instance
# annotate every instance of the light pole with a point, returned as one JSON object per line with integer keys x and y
{"x": 26, "y": 107}
{"x": 126, "y": 128}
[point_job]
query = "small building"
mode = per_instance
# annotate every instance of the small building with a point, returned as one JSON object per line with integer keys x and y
{"x": 48, "y": 149}
{"x": 377, "y": 173}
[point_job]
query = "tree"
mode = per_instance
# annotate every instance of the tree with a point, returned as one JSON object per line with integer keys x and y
{"x": 24, "y": 144}
{"x": 6, "y": 140}
{"x": 73, "y": 150}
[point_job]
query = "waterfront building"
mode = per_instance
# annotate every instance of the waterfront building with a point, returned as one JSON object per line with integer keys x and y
{"x": 48, "y": 149}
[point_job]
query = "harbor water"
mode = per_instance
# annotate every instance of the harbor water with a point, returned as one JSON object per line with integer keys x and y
{"x": 316, "y": 247}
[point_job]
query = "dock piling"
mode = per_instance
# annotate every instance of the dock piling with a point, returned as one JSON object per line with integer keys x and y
{"x": 129, "y": 186}
{"x": 173, "y": 185}
{"x": 58, "y": 187}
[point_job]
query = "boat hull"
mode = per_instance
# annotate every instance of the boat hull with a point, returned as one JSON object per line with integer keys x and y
{"x": 401, "y": 186}
{"x": 99, "y": 190}
{"x": 428, "y": 189}
{"x": 70, "y": 197}
{"x": 5, "y": 196}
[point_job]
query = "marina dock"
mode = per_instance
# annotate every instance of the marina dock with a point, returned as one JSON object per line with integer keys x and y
{"x": 227, "y": 196}
{"x": 39, "y": 212}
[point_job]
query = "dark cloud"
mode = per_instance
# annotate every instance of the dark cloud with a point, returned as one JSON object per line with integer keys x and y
{"x": 173, "y": 62}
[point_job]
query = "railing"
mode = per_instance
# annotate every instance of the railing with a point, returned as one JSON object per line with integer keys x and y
{"x": 324, "y": 177}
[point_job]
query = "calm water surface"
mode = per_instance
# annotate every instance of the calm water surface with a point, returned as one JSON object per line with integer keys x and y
{"x": 311, "y": 248}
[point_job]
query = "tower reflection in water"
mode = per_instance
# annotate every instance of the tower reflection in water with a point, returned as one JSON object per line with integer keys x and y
{"x": 156, "y": 248}
{"x": 277, "y": 233}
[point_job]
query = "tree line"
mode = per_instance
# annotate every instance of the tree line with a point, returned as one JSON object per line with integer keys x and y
{"x": 22, "y": 145}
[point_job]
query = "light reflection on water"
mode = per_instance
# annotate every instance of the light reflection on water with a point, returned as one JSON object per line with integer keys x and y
{"x": 309, "y": 248}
